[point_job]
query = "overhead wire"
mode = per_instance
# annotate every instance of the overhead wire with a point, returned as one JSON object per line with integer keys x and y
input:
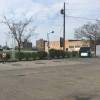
{"x": 61, "y": 29}
{"x": 80, "y": 18}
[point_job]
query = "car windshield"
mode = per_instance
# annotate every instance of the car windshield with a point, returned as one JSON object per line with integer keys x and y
{"x": 85, "y": 48}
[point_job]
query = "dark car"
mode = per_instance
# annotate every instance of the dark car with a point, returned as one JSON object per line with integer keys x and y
{"x": 1, "y": 49}
{"x": 85, "y": 52}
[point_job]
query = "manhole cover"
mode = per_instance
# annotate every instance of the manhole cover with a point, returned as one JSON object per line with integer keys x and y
{"x": 83, "y": 98}
{"x": 16, "y": 64}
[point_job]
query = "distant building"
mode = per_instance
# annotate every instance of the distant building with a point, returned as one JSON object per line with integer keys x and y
{"x": 70, "y": 45}
{"x": 26, "y": 44}
{"x": 40, "y": 44}
{"x": 34, "y": 48}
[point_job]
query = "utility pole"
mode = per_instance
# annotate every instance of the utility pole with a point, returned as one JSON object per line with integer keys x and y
{"x": 63, "y": 12}
{"x": 64, "y": 28}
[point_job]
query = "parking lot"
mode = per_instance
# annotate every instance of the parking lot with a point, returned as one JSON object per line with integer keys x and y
{"x": 68, "y": 79}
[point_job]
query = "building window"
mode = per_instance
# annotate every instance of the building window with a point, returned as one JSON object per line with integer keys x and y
{"x": 77, "y": 46}
{"x": 85, "y": 45}
{"x": 71, "y": 46}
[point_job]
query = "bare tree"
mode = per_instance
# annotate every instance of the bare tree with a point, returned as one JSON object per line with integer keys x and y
{"x": 89, "y": 31}
{"x": 19, "y": 29}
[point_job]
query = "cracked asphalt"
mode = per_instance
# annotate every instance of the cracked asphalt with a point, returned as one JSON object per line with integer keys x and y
{"x": 67, "y": 79}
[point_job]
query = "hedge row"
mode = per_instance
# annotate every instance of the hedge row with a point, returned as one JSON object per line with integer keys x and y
{"x": 30, "y": 55}
{"x": 53, "y": 53}
{"x": 72, "y": 54}
{"x": 43, "y": 55}
{"x": 61, "y": 54}
{"x": 25, "y": 55}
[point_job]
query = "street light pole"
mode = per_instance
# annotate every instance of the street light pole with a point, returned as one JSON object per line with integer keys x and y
{"x": 48, "y": 45}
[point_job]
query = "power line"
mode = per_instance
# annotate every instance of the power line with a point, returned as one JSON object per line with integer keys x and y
{"x": 80, "y": 10}
{"x": 61, "y": 28}
{"x": 80, "y": 18}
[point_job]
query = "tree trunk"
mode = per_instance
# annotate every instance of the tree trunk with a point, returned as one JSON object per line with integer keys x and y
{"x": 94, "y": 49}
{"x": 18, "y": 47}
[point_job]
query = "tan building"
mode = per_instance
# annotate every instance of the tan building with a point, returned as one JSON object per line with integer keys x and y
{"x": 40, "y": 44}
{"x": 70, "y": 45}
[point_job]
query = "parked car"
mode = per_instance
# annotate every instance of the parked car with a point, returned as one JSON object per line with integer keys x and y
{"x": 85, "y": 52}
{"x": 1, "y": 49}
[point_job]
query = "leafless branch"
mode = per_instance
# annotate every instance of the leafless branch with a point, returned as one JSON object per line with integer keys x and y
{"x": 18, "y": 29}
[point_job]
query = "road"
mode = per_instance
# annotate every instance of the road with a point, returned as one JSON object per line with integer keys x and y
{"x": 68, "y": 79}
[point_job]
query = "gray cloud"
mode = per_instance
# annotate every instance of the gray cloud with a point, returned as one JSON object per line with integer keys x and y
{"x": 46, "y": 13}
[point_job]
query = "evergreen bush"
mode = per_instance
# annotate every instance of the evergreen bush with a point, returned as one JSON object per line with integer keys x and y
{"x": 34, "y": 55}
{"x": 1, "y": 56}
{"x": 68, "y": 54}
{"x": 27, "y": 55}
{"x": 42, "y": 54}
{"x": 8, "y": 56}
{"x": 74, "y": 53}
{"x": 19, "y": 55}
{"x": 52, "y": 53}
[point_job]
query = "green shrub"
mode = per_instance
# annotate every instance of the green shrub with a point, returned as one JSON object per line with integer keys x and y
{"x": 62, "y": 53}
{"x": 34, "y": 55}
{"x": 52, "y": 53}
{"x": 74, "y": 53}
{"x": 27, "y": 55}
{"x": 68, "y": 54}
{"x": 42, "y": 54}
{"x": 8, "y": 56}
{"x": 19, "y": 55}
{"x": 57, "y": 53}
{"x": 0, "y": 56}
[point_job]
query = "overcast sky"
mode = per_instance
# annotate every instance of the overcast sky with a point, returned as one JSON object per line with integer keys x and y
{"x": 47, "y": 17}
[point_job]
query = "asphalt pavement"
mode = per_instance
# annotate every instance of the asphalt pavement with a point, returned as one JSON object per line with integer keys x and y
{"x": 67, "y": 79}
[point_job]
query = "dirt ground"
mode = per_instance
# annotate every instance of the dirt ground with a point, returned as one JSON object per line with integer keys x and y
{"x": 68, "y": 79}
